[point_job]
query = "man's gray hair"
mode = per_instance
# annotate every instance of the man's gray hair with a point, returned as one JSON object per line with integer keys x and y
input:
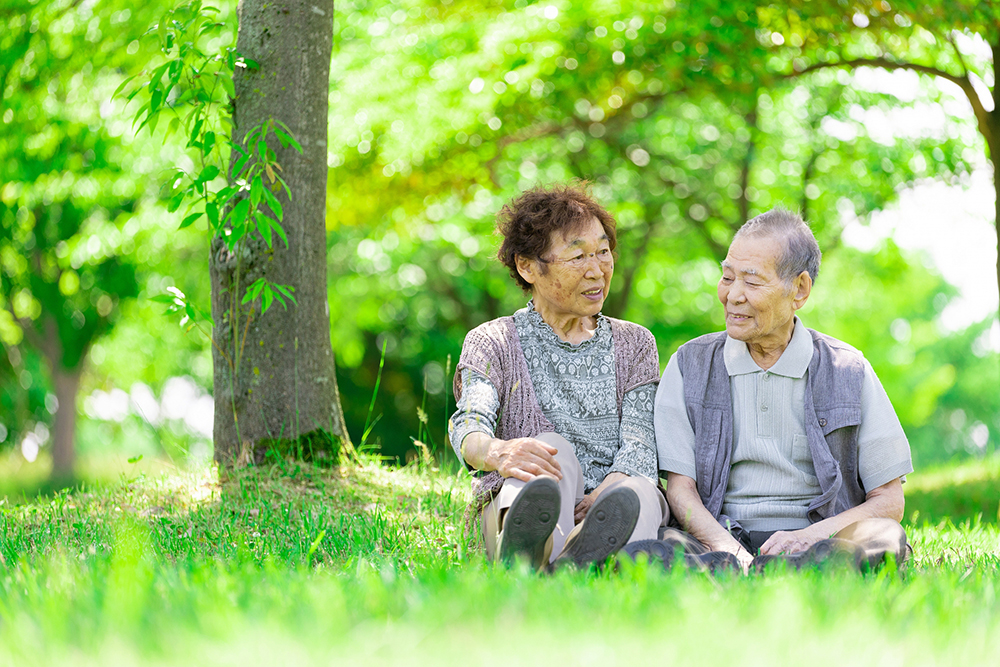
{"x": 800, "y": 253}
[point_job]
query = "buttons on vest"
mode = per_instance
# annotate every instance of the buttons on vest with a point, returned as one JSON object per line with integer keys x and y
{"x": 822, "y": 422}
{"x": 763, "y": 408}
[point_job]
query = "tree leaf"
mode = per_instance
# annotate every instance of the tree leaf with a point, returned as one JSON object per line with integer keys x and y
{"x": 209, "y": 142}
{"x": 281, "y": 232}
{"x": 283, "y": 130}
{"x": 268, "y": 298}
{"x": 122, "y": 86}
{"x": 190, "y": 220}
{"x": 176, "y": 201}
{"x": 195, "y": 131}
{"x": 241, "y": 162}
{"x": 239, "y": 214}
{"x": 212, "y": 212}
{"x": 274, "y": 204}
{"x": 256, "y": 190}
{"x": 207, "y": 174}
{"x": 264, "y": 228}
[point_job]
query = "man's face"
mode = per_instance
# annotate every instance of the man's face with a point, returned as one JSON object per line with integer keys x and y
{"x": 759, "y": 307}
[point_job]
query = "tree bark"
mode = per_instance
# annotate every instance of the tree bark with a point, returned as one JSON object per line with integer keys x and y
{"x": 67, "y": 385}
{"x": 275, "y": 376}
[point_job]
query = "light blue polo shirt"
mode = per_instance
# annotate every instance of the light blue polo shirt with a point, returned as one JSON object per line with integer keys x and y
{"x": 772, "y": 480}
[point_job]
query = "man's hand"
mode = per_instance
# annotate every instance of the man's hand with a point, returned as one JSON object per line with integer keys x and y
{"x": 522, "y": 458}
{"x": 793, "y": 541}
{"x": 745, "y": 558}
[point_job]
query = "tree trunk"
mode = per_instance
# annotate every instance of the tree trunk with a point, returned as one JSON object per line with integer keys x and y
{"x": 279, "y": 382}
{"x": 67, "y": 384}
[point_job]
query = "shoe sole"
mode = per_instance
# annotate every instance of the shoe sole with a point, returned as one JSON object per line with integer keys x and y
{"x": 530, "y": 520}
{"x": 606, "y": 528}
{"x": 825, "y": 554}
{"x": 665, "y": 552}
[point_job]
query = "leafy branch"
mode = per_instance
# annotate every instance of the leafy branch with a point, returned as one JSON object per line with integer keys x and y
{"x": 192, "y": 89}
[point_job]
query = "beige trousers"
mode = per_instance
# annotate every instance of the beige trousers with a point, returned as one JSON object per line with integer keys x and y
{"x": 653, "y": 511}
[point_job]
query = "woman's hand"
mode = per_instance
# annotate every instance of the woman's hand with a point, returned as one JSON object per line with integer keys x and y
{"x": 582, "y": 507}
{"x": 522, "y": 458}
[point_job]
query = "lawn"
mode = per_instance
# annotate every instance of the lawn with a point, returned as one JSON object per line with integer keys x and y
{"x": 366, "y": 564}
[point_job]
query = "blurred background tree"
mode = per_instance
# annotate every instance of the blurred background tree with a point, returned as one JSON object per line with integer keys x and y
{"x": 74, "y": 245}
{"x": 685, "y": 117}
{"x": 689, "y": 118}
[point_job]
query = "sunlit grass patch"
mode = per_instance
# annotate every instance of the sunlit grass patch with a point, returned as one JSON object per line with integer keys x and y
{"x": 955, "y": 491}
{"x": 367, "y": 564}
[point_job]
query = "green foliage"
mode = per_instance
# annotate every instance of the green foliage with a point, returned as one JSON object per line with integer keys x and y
{"x": 234, "y": 186}
{"x": 688, "y": 121}
{"x": 72, "y": 191}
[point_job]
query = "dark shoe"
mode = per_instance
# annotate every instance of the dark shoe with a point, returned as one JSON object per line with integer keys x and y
{"x": 667, "y": 551}
{"x": 824, "y": 554}
{"x": 529, "y": 522}
{"x": 606, "y": 528}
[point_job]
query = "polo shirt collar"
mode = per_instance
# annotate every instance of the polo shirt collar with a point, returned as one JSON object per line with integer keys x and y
{"x": 793, "y": 363}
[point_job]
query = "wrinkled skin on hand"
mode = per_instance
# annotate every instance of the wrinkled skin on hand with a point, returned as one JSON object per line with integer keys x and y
{"x": 582, "y": 507}
{"x": 792, "y": 541}
{"x": 523, "y": 459}
{"x": 745, "y": 558}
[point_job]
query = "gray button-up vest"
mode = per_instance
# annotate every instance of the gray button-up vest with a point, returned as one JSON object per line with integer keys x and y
{"x": 832, "y": 419}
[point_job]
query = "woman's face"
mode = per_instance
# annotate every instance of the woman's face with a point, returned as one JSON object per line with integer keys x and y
{"x": 573, "y": 277}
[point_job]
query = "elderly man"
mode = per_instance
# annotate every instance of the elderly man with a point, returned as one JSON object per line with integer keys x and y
{"x": 778, "y": 441}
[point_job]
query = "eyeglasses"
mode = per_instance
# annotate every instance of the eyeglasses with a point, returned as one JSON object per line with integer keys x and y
{"x": 604, "y": 257}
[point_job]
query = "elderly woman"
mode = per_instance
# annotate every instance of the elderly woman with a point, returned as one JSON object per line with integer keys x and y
{"x": 555, "y": 403}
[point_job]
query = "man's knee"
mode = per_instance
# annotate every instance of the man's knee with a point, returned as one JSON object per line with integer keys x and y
{"x": 874, "y": 530}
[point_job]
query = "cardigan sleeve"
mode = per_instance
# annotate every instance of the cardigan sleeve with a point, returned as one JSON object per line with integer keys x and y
{"x": 637, "y": 357}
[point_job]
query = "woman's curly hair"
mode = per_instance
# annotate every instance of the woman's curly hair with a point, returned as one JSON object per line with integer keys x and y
{"x": 527, "y": 222}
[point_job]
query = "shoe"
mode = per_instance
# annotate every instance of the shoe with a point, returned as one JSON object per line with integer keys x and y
{"x": 606, "y": 528}
{"x": 667, "y": 551}
{"x": 824, "y": 554}
{"x": 529, "y": 522}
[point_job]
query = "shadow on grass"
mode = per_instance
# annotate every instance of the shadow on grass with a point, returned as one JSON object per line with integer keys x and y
{"x": 958, "y": 502}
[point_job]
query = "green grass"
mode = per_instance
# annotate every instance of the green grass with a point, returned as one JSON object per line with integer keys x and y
{"x": 955, "y": 491}
{"x": 365, "y": 565}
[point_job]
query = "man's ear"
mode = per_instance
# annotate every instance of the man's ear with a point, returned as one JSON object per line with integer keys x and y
{"x": 527, "y": 267}
{"x": 801, "y": 288}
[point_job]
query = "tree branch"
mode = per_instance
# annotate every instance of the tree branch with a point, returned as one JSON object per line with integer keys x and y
{"x": 982, "y": 115}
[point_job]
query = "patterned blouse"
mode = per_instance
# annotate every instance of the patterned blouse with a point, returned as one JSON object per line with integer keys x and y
{"x": 576, "y": 390}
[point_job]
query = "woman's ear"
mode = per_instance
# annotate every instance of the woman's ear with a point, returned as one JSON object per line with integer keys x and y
{"x": 527, "y": 267}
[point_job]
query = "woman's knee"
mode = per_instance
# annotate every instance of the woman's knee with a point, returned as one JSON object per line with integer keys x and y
{"x": 565, "y": 449}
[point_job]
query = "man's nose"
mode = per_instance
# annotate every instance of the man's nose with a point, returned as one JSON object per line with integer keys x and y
{"x": 736, "y": 293}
